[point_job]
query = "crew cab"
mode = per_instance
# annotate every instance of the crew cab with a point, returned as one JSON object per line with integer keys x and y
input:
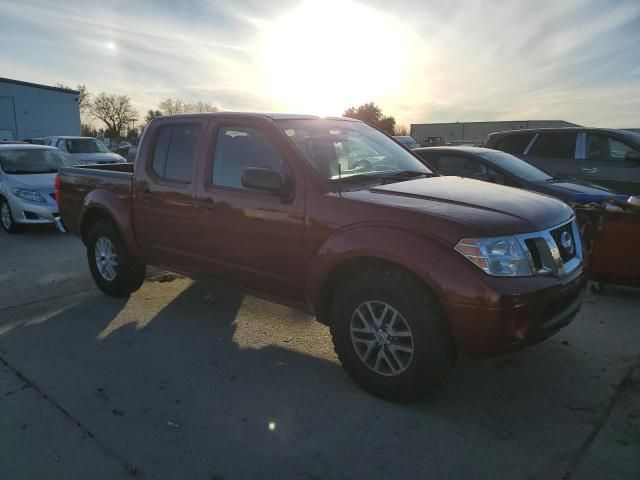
{"x": 406, "y": 267}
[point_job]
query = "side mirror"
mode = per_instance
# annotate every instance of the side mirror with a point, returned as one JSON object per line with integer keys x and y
{"x": 264, "y": 179}
{"x": 632, "y": 157}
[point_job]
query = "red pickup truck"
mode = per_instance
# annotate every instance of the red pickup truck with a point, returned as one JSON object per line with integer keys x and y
{"x": 331, "y": 215}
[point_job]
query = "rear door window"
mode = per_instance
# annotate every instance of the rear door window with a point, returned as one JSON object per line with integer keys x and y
{"x": 514, "y": 144}
{"x": 554, "y": 145}
{"x": 175, "y": 152}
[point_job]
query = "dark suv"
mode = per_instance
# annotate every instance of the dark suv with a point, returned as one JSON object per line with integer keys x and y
{"x": 602, "y": 156}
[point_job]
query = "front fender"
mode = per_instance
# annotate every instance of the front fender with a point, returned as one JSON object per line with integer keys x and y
{"x": 415, "y": 252}
{"x": 115, "y": 206}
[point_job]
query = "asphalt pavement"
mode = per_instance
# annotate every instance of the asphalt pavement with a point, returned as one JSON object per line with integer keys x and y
{"x": 188, "y": 380}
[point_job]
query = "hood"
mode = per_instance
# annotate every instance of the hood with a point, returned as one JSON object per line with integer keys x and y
{"x": 35, "y": 181}
{"x": 573, "y": 191}
{"x": 99, "y": 157}
{"x": 488, "y": 208}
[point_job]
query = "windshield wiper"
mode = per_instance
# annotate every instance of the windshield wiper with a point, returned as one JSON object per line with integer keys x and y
{"x": 386, "y": 175}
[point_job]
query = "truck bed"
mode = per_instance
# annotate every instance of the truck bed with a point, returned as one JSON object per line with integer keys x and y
{"x": 81, "y": 186}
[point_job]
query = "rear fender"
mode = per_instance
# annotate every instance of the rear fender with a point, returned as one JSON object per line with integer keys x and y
{"x": 117, "y": 208}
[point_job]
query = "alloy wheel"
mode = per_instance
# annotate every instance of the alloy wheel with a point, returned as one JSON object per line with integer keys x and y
{"x": 106, "y": 259}
{"x": 382, "y": 338}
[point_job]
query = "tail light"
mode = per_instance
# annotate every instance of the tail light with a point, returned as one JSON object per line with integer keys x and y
{"x": 56, "y": 187}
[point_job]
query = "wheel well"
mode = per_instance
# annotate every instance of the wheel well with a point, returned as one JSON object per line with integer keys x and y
{"x": 342, "y": 273}
{"x": 89, "y": 219}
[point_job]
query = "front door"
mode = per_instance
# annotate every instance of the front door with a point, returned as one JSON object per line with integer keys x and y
{"x": 554, "y": 153}
{"x": 251, "y": 238}
{"x": 604, "y": 164}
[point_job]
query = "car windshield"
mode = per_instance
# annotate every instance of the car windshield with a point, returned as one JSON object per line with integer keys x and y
{"x": 632, "y": 136}
{"x": 86, "y": 145}
{"x": 346, "y": 149}
{"x": 515, "y": 166}
{"x": 30, "y": 161}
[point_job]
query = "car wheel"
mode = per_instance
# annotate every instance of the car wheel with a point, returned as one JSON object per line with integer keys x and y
{"x": 6, "y": 218}
{"x": 113, "y": 269}
{"x": 391, "y": 334}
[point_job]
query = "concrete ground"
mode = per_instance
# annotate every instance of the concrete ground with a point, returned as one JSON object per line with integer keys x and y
{"x": 189, "y": 380}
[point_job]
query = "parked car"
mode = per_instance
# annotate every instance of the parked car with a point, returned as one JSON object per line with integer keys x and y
{"x": 27, "y": 174}
{"x": 132, "y": 151}
{"x": 86, "y": 149}
{"x": 408, "y": 141}
{"x": 406, "y": 267}
{"x": 504, "y": 169}
{"x": 606, "y": 157}
{"x": 35, "y": 141}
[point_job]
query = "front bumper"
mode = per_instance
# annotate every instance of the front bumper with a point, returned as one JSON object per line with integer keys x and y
{"x": 32, "y": 213}
{"x": 521, "y": 318}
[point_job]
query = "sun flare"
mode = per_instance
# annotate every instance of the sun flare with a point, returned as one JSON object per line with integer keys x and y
{"x": 323, "y": 56}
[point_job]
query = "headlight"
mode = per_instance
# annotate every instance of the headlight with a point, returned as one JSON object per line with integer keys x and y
{"x": 30, "y": 195}
{"x": 499, "y": 256}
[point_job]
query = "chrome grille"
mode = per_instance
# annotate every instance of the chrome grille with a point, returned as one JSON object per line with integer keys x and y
{"x": 556, "y": 251}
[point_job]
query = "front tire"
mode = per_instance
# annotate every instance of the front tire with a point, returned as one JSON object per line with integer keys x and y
{"x": 6, "y": 218}
{"x": 391, "y": 334}
{"x": 112, "y": 267}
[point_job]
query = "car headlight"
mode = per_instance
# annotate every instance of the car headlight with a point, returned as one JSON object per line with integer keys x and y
{"x": 499, "y": 256}
{"x": 30, "y": 195}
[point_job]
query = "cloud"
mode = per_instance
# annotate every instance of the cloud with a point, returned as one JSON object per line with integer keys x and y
{"x": 470, "y": 60}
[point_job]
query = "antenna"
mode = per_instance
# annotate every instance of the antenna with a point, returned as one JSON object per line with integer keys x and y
{"x": 339, "y": 179}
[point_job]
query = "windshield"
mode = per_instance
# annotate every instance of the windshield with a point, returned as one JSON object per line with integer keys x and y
{"x": 355, "y": 147}
{"x": 30, "y": 161}
{"x": 632, "y": 136}
{"x": 86, "y": 145}
{"x": 515, "y": 166}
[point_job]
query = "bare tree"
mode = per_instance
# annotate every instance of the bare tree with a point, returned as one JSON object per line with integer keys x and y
{"x": 401, "y": 130}
{"x": 115, "y": 111}
{"x": 171, "y": 106}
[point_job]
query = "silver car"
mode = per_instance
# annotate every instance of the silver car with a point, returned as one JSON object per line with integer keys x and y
{"x": 27, "y": 174}
{"x": 86, "y": 149}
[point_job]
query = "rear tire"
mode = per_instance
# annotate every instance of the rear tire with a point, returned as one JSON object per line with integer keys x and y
{"x": 113, "y": 269}
{"x": 7, "y": 221}
{"x": 385, "y": 309}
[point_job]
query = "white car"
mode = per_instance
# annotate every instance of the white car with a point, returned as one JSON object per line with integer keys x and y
{"x": 27, "y": 174}
{"x": 87, "y": 149}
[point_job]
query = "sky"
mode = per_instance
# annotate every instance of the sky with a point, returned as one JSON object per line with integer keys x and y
{"x": 421, "y": 60}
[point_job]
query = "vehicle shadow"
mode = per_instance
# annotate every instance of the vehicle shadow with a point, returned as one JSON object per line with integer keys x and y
{"x": 190, "y": 380}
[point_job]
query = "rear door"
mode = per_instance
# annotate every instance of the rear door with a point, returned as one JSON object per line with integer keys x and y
{"x": 163, "y": 207}
{"x": 604, "y": 163}
{"x": 555, "y": 153}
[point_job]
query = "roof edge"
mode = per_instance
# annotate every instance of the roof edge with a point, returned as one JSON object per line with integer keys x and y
{"x": 38, "y": 85}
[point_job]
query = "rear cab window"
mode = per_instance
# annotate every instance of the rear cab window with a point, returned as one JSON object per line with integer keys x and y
{"x": 554, "y": 145}
{"x": 175, "y": 151}
{"x": 601, "y": 147}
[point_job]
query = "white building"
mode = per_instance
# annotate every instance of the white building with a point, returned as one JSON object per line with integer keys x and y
{"x": 474, "y": 132}
{"x": 30, "y": 110}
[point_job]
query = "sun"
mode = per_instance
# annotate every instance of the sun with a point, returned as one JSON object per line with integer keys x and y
{"x": 323, "y": 56}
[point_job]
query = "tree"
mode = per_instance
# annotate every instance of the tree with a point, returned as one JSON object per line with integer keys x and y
{"x": 170, "y": 106}
{"x": 115, "y": 111}
{"x": 372, "y": 114}
{"x": 151, "y": 114}
{"x": 401, "y": 130}
{"x": 88, "y": 130}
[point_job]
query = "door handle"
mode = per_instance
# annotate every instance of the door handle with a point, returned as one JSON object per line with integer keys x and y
{"x": 589, "y": 169}
{"x": 145, "y": 192}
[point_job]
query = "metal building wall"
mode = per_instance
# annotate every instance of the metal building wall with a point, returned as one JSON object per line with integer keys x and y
{"x": 476, "y": 132}
{"x": 37, "y": 111}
